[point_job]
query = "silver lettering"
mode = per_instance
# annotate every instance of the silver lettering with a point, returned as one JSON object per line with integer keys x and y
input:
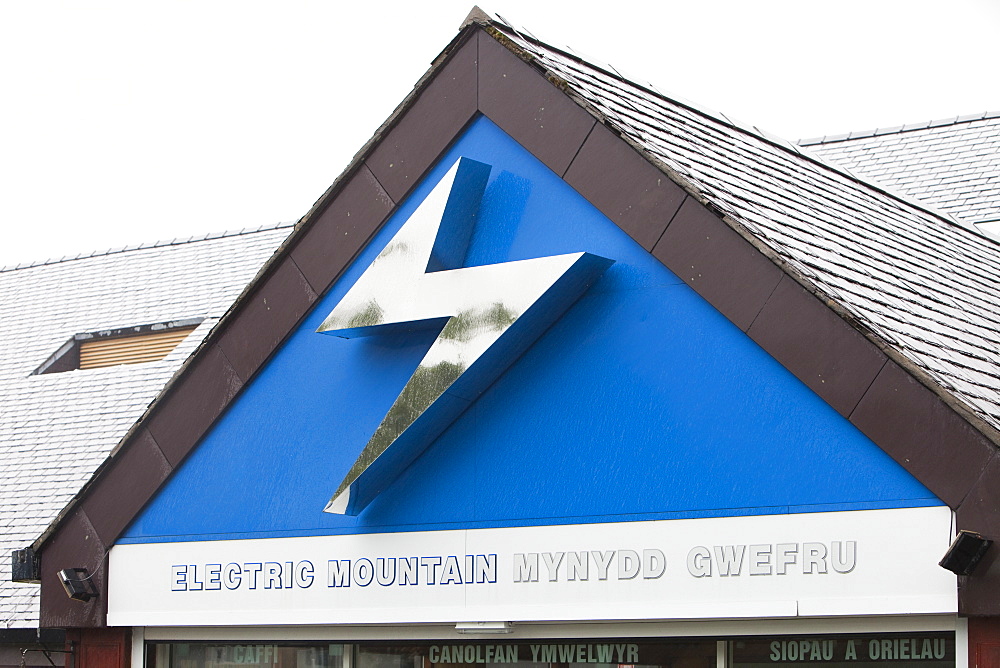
{"x": 603, "y": 561}
{"x": 844, "y": 556}
{"x": 272, "y": 575}
{"x": 552, "y": 562}
{"x": 304, "y": 574}
{"x": 786, "y": 554}
{"x": 232, "y": 576}
{"x": 654, "y": 563}
{"x": 407, "y": 571}
{"x": 178, "y": 577}
{"x": 576, "y": 566}
{"x": 628, "y": 564}
{"x": 813, "y": 558}
{"x": 729, "y": 559}
{"x": 526, "y": 567}
{"x": 699, "y": 562}
{"x": 760, "y": 560}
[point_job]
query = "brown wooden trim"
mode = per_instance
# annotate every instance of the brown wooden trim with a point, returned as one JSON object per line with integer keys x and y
{"x": 717, "y": 263}
{"x": 984, "y": 642}
{"x": 980, "y": 509}
{"x": 195, "y": 402}
{"x": 925, "y": 436}
{"x": 138, "y": 472}
{"x": 341, "y": 230}
{"x": 266, "y": 318}
{"x": 99, "y": 648}
{"x": 147, "y": 347}
{"x": 429, "y": 126}
{"x": 980, "y": 512}
{"x": 977, "y": 593}
{"x": 75, "y": 545}
{"x": 835, "y": 360}
{"x": 538, "y": 115}
{"x": 624, "y": 186}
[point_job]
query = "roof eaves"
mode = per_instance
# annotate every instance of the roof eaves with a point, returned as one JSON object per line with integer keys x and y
{"x": 910, "y": 127}
{"x": 155, "y": 244}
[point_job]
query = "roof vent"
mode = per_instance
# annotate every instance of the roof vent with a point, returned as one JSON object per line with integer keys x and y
{"x": 128, "y": 345}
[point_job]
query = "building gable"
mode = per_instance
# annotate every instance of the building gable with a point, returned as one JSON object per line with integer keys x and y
{"x": 758, "y": 293}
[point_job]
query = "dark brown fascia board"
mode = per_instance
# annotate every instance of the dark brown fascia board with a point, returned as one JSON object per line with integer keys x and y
{"x": 980, "y": 512}
{"x": 713, "y": 253}
{"x": 76, "y": 546}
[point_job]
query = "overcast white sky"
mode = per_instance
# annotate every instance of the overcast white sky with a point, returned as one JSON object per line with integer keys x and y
{"x": 124, "y": 122}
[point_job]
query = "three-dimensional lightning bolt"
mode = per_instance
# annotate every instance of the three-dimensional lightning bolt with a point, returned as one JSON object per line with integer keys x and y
{"x": 486, "y": 315}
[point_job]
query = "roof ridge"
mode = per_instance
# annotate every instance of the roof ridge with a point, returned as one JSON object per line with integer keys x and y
{"x": 763, "y": 135}
{"x": 898, "y": 129}
{"x": 177, "y": 241}
{"x": 610, "y": 70}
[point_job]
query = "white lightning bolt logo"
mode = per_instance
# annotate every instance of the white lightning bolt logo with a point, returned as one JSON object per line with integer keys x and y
{"x": 486, "y": 315}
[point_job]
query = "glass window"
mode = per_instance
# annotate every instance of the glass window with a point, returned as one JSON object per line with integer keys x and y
{"x": 913, "y": 650}
{"x": 910, "y": 650}
{"x": 542, "y": 654}
{"x": 251, "y": 655}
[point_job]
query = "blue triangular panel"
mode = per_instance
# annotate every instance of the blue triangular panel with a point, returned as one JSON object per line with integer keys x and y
{"x": 642, "y": 402}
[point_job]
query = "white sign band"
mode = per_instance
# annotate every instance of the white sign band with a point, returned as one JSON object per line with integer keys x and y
{"x": 843, "y": 563}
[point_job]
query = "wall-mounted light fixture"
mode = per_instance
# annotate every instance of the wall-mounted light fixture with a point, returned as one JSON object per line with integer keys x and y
{"x": 24, "y": 566}
{"x": 965, "y": 552}
{"x": 77, "y": 584}
{"x": 484, "y": 627}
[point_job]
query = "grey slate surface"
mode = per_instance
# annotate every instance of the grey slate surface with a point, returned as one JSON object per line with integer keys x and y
{"x": 926, "y": 285}
{"x": 952, "y": 164}
{"x": 55, "y": 429}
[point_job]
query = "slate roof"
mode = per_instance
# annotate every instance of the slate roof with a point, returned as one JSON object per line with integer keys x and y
{"x": 56, "y": 429}
{"x": 952, "y": 164}
{"x": 924, "y": 285}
